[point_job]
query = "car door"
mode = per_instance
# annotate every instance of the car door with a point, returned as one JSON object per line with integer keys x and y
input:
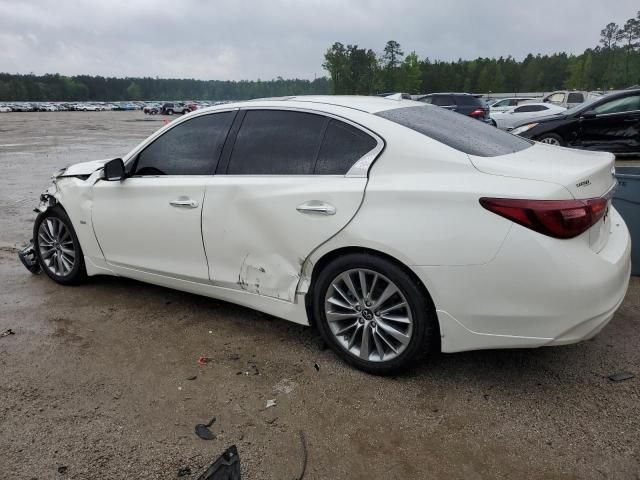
{"x": 288, "y": 182}
{"x": 151, "y": 221}
{"x": 616, "y": 126}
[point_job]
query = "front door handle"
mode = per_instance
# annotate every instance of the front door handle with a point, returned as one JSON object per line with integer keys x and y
{"x": 316, "y": 207}
{"x": 183, "y": 202}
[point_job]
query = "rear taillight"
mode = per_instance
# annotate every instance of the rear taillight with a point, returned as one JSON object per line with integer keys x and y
{"x": 555, "y": 218}
{"x": 478, "y": 113}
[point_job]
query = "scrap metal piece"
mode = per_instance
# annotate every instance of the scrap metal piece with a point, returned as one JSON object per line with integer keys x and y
{"x": 621, "y": 376}
{"x": 202, "y": 430}
{"x": 29, "y": 259}
{"x": 226, "y": 467}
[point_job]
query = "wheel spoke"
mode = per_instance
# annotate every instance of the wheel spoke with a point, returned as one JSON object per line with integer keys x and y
{"x": 340, "y": 303}
{"x": 363, "y": 284}
{"x": 347, "y": 280}
{"x": 379, "y": 346}
{"x": 47, "y": 253}
{"x": 335, "y": 316}
{"x": 59, "y": 266}
{"x": 398, "y": 335}
{"x": 342, "y": 294}
{"x": 352, "y": 340}
{"x": 364, "y": 344}
{"x": 395, "y": 318}
{"x": 386, "y": 294}
{"x": 394, "y": 307}
{"x": 344, "y": 330}
{"x": 69, "y": 252}
{"x": 389, "y": 344}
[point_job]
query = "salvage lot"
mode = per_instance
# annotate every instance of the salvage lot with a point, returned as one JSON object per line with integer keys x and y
{"x": 95, "y": 377}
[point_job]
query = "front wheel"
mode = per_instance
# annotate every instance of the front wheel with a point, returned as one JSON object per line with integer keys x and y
{"x": 373, "y": 314}
{"x": 57, "y": 247}
{"x": 552, "y": 139}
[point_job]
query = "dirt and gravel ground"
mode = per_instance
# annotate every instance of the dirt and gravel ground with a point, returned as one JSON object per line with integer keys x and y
{"x": 95, "y": 381}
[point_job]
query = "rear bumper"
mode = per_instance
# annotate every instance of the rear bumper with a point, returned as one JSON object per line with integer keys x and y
{"x": 537, "y": 291}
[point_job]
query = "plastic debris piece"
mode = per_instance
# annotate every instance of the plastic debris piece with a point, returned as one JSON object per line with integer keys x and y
{"x": 184, "y": 471}
{"x": 192, "y": 377}
{"x": 226, "y": 467}
{"x": 271, "y": 403}
{"x": 621, "y": 376}
{"x": 305, "y": 455}
{"x": 317, "y": 367}
{"x": 202, "y": 430}
{"x": 203, "y": 359}
{"x": 62, "y": 469}
{"x": 7, "y": 332}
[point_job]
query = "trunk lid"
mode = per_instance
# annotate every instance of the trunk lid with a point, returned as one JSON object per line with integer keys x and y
{"x": 584, "y": 174}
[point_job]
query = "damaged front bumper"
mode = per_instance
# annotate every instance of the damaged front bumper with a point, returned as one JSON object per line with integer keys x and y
{"x": 29, "y": 258}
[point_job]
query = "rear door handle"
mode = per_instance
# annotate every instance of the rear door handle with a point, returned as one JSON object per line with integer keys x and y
{"x": 183, "y": 202}
{"x": 316, "y": 207}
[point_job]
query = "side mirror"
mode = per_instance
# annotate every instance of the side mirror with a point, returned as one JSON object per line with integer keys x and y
{"x": 589, "y": 114}
{"x": 114, "y": 170}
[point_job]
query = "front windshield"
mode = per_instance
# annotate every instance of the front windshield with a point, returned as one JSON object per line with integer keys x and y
{"x": 581, "y": 106}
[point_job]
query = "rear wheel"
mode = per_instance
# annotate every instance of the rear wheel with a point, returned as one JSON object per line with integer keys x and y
{"x": 57, "y": 247}
{"x": 373, "y": 314}
{"x": 552, "y": 139}
{"x": 169, "y": 112}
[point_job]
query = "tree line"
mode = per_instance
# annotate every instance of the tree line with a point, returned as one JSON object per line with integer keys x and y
{"x": 613, "y": 64}
{"x": 54, "y": 87}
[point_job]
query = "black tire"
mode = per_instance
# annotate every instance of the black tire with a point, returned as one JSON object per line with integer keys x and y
{"x": 169, "y": 112}
{"x": 551, "y": 139}
{"x": 425, "y": 336}
{"x": 78, "y": 272}
{"x": 494, "y": 124}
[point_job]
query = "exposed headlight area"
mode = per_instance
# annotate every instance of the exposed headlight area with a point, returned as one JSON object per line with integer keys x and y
{"x": 523, "y": 128}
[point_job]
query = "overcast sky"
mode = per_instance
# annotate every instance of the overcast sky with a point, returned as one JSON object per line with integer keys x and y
{"x": 243, "y": 39}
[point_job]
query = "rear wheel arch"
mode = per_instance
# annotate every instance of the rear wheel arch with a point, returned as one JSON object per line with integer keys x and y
{"x": 328, "y": 257}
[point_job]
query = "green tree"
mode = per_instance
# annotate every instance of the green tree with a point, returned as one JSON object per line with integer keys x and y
{"x": 411, "y": 77}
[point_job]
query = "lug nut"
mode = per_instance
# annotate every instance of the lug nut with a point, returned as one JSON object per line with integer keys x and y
{"x": 367, "y": 303}
{"x": 361, "y": 320}
{"x": 358, "y": 307}
{"x": 377, "y": 314}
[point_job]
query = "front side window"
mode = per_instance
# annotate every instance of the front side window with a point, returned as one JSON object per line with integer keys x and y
{"x": 190, "y": 148}
{"x": 619, "y": 105}
{"x": 277, "y": 142}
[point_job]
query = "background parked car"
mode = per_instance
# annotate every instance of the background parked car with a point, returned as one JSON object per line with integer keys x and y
{"x": 5, "y": 108}
{"x": 505, "y": 104}
{"x": 568, "y": 99}
{"x": 610, "y": 123}
{"x": 174, "y": 107}
{"x": 463, "y": 103}
{"x": 524, "y": 113}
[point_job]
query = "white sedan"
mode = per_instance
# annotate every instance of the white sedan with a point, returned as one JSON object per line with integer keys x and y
{"x": 523, "y": 113}
{"x": 396, "y": 228}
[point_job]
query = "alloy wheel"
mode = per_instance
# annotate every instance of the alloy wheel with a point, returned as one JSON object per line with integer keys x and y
{"x": 550, "y": 141}
{"x": 56, "y": 246}
{"x": 368, "y": 315}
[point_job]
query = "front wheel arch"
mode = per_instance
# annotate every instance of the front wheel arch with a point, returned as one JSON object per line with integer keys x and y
{"x": 328, "y": 257}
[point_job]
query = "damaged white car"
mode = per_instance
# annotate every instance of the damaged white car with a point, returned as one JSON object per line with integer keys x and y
{"x": 397, "y": 228}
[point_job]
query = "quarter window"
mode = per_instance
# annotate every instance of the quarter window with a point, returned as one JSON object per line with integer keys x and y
{"x": 277, "y": 142}
{"x": 343, "y": 145}
{"x": 190, "y": 148}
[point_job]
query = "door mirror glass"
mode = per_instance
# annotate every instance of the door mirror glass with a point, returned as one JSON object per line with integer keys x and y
{"x": 589, "y": 114}
{"x": 114, "y": 170}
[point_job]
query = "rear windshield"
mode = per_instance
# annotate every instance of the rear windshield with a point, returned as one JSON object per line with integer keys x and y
{"x": 468, "y": 100}
{"x": 458, "y": 131}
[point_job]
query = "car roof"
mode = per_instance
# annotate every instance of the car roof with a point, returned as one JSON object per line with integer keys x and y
{"x": 372, "y": 104}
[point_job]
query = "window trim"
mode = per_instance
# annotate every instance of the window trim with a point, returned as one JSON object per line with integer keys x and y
{"x": 359, "y": 169}
{"x": 132, "y": 156}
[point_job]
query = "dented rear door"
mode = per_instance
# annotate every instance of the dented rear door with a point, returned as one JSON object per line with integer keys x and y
{"x": 289, "y": 181}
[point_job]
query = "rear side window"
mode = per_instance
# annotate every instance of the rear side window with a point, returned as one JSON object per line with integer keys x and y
{"x": 276, "y": 142}
{"x": 343, "y": 145}
{"x": 530, "y": 108}
{"x": 190, "y": 148}
{"x": 458, "y": 131}
{"x": 575, "y": 98}
{"x": 443, "y": 100}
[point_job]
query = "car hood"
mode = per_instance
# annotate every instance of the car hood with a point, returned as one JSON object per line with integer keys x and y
{"x": 82, "y": 169}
